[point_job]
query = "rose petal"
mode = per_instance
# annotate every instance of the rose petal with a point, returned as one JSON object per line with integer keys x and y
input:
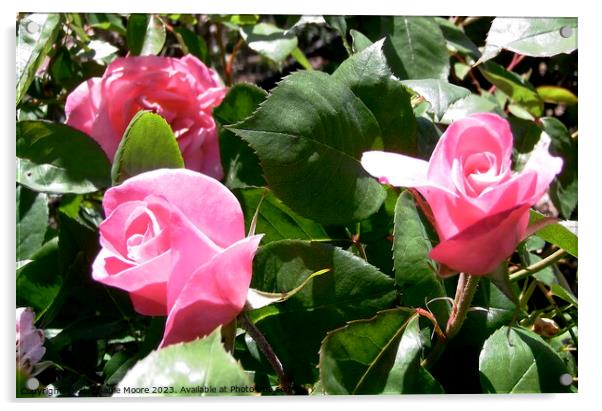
{"x": 479, "y": 132}
{"x": 191, "y": 249}
{"x": 396, "y": 169}
{"x": 480, "y": 248}
{"x": 211, "y": 207}
{"x": 144, "y": 280}
{"x": 82, "y": 105}
{"x": 215, "y": 294}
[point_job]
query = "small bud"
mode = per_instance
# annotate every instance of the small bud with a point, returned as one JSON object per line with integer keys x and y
{"x": 545, "y": 327}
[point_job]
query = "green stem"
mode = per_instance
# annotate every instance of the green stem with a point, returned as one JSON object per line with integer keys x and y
{"x": 467, "y": 286}
{"x": 538, "y": 266}
{"x": 267, "y": 350}
{"x": 463, "y": 304}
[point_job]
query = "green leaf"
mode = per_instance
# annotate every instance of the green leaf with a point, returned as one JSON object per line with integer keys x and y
{"x": 471, "y": 104}
{"x": 147, "y": 144}
{"x": 32, "y": 221}
{"x": 353, "y": 289}
{"x": 418, "y": 47}
{"x": 439, "y": 93}
{"x": 301, "y": 59}
{"x": 368, "y": 75}
{"x": 514, "y": 86}
{"x": 555, "y": 94}
{"x": 181, "y": 369}
{"x": 564, "y": 294}
{"x": 269, "y": 41}
{"x": 39, "y": 282}
{"x": 415, "y": 273}
{"x": 194, "y": 44}
{"x": 145, "y": 34}
{"x": 380, "y": 355}
{"x": 107, "y": 21}
{"x": 359, "y": 41}
{"x": 556, "y": 234}
{"x": 515, "y": 360}
{"x": 563, "y": 190}
{"x": 309, "y": 135}
{"x": 501, "y": 278}
{"x": 457, "y": 41}
{"x": 531, "y": 36}
{"x": 240, "y": 163}
{"x": 35, "y": 37}
{"x": 56, "y": 158}
{"x": 338, "y": 23}
{"x": 275, "y": 219}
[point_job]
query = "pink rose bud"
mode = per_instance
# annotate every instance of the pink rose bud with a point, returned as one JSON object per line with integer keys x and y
{"x": 175, "y": 240}
{"x": 481, "y": 207}
{"x": 183, "y": 91}
{"x": 30, "y": 340}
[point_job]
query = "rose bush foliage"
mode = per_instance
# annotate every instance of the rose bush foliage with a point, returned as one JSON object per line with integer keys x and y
{"x": 214, "y": 197}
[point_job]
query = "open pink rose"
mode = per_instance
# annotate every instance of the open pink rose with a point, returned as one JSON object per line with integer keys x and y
{"x": 175, "y": 240}
{"x": 480, "y": 207}
{"x": 183, "y": 91}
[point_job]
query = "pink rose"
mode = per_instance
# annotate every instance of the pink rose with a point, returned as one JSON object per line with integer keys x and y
{"x": 175, "y": 240}
{"x": 480, "y": 207}
{"x": 30, "y": 340}
{"x": 183, "y": 91}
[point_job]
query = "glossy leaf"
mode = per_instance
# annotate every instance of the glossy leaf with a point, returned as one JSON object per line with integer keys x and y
{"x": 275, "y": 220}
{"x": 473, "y": 103}
{"x": 515, "y": 360}
{"x": 194, "y": 44}
{"x": 107, "y": 21}
{"x": 39, "y": 281}
{"x": 35, "y": 37}
{"x": 555, "y": 94}
{"x": 180, "y": 369}
{"x": 368, "y": 75}
{"x": 145, "y": 34}
{"x": 269, "y": 41}
{"x": 418, "y": 47}
{"x": 439, "y": 93}
{"x": 415, "y": 273}
{"x": 32, "y": 221}
{"x": 240, "y": 163}
{"x": 353, "y": 289}
{"x": 457, "y": 41}
{"x": 519, "y": 90}
{"x": 564, "y": 294}
{"x": 309, "y": 135}
{"x": 380, "y": 355}
{"x": 360, "y": 41}
{"x": 556, "y": 234}
{"x": 46, "y": 161}
{"x": 147, "y": 144}
{"x": 563, "y": 190}
{"x": 531, "y": 36}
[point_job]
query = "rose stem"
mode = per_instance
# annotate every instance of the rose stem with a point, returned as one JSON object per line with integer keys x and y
{"x": 467, "y": 286}
{"x": 538, "y": 266}
{"x": 230, "y": 64}
{"x": 267, "y": 350}
{"x": 463, "y": 304}
{"x": 222, "y": 51}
